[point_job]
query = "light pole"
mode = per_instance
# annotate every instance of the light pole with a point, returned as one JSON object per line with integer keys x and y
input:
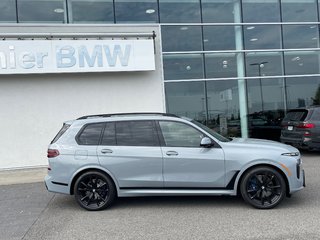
{"x": 260, "y": 65}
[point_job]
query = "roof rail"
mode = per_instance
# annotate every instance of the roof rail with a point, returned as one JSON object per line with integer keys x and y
{"x": 124, "y": 114}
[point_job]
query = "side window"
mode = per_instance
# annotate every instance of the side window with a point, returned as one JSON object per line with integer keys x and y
{"x": 109, "y": 135}
{"x": 90, "y": 135}
{"x": 177, "y": 134}
{"x": 136, "y": 133}
{"x": 316, "y": 115}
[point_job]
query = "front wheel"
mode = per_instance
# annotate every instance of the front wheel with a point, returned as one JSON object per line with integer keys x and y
{"x": 263, "y": 187}
{"x": 94, "y": 191}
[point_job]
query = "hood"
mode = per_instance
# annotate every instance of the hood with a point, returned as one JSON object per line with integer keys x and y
{"x": 262, "y": 144}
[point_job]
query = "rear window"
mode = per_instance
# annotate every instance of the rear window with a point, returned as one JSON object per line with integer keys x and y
{"x": 90, "y": 135}
{"x": 296, "y": 115}
{"x": 61, "y": 132}
{"x": 136, "y": 133}
{"x": 316, "y": 115}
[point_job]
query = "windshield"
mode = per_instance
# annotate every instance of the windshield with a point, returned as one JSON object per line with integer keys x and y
{"x": 211, "y": 132}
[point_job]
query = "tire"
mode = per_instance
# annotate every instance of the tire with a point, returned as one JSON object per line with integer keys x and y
{"x": 263, "y": 187}
{"x": 94, "y": 191}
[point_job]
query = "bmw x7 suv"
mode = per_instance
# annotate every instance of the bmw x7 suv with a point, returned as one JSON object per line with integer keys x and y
{"x": 98, "y": 158}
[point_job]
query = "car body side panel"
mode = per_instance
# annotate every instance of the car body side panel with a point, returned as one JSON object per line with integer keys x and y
{"x": 133, "y": 167}
{"x": 194, "y": 167}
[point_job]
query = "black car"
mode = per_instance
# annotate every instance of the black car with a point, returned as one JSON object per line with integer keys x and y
{"x": 301, "y": 128}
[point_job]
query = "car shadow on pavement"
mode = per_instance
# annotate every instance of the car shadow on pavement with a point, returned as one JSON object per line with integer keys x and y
{"x": 172, "y": 202}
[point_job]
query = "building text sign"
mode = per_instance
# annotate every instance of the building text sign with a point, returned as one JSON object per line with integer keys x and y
{"x": 67, "y": 56}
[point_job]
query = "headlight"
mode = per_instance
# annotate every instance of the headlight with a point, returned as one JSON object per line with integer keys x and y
{"x": 292, "y": 154}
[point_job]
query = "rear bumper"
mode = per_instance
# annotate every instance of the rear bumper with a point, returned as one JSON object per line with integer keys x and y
{"x": 303, "y": 142}
{"x": 56, "y": 187}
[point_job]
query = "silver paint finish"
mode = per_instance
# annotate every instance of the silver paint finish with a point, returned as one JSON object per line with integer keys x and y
{"x": 154, "y": 171}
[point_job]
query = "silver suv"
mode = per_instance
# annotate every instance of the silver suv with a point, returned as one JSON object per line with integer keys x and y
{"x": 98, "y": 158}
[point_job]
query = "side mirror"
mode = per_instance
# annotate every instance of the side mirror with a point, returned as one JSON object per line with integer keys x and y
{"x": 206, "y": 142}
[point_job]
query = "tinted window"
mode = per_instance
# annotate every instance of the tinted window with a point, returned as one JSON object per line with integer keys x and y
{"x": 177, "y": 134}
{"x": 99, "y": 11}
{"x": 296, "y": 115}
{"x": 8, "y": 11}
{"x": 136, "y": 11}
{"x": 316, "y": 115}
{"x": 41, "y": 11}
{"x": 91, "y": 134}
{"x": 109, "y": 135}
{"x": 136, "y": 133}
{"x": 176, "y": 11}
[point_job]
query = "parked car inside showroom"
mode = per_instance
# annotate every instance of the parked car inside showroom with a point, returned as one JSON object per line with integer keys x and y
{"x": 100, "y": 157}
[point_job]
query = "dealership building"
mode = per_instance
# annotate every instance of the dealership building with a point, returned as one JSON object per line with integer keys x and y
{"x": 235, "y": 65}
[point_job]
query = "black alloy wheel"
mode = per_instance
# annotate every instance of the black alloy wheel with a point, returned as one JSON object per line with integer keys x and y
{"x": 263, "y": 187}
{"x": 94, "y": 191}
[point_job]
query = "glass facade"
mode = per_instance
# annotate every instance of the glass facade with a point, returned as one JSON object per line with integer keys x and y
{"x": 236, "y": 65}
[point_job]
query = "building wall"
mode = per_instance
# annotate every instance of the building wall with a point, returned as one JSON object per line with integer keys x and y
{"x": 33, "y": 107}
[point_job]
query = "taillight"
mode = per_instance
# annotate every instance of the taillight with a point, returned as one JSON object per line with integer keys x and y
{"x": 52, "y": 153}
{"x": 306, "y": 125}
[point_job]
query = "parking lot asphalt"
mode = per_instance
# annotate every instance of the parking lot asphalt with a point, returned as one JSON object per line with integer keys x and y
{"x": 28, "y": 211}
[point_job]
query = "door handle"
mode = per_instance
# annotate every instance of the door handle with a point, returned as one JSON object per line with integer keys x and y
{"x": 104, "y": 151}
{"x": 172, "y": 153}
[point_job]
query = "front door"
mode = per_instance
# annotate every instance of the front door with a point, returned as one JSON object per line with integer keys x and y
{"x": 186, "y": 164}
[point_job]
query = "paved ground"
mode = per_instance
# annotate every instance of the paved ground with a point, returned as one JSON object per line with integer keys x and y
{"x": 28, "y": 211}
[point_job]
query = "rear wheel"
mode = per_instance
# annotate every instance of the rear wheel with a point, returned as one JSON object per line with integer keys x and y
{"x": 263, "y": 187}
{"x": 94, "y": 191}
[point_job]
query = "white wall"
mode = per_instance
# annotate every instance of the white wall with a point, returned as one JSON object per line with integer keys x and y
{"x": 33, "y": 107}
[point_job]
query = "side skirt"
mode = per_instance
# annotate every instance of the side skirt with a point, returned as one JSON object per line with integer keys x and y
{"x": 173, "y": 192}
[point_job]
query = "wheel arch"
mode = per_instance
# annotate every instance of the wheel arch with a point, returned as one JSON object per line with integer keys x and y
{"x": 242, "y": 173}
{"x": 88, "y": 169}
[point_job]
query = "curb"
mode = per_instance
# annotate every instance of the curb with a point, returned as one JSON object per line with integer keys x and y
{"x": 20, "y": 176}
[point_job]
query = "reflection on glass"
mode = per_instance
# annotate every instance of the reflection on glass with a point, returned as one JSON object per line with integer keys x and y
{"x": 223, "y": 107}
{"x": 181, "y": 38}
{"x": 299, "y": 11}
{"x": 136, "y": 11}
{"x": 261, "y": 11}
{"x": 219, "y": 38}
{"x": 301, "y": 62}
{"x": 300, "y": 36}
{"x": 90, "y": 11}
{"x": 183, "y": 66}
{"x": 264, "y": 64}
{"x": 41, "y": 11}
{"x": 302, "y": 91}
{"x": 186, "y": 99}
{"x": 179, "y": 11}
{"x": 265, "y": 107}
{"x": 8, "y": 11}
{"x": 219, "y": 11}
{"x": 221, "y": 65}
{"x": 261, "y": 37}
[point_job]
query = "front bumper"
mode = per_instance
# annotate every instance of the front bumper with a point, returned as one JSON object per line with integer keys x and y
{"x": 298, "y": 183}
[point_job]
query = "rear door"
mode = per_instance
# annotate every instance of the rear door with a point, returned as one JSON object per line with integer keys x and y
{"x": 131, "y": 151}
{"x": 186, "y": 164}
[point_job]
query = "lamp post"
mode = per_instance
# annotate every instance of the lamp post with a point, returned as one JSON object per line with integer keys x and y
{"x": 260, "y": 65}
